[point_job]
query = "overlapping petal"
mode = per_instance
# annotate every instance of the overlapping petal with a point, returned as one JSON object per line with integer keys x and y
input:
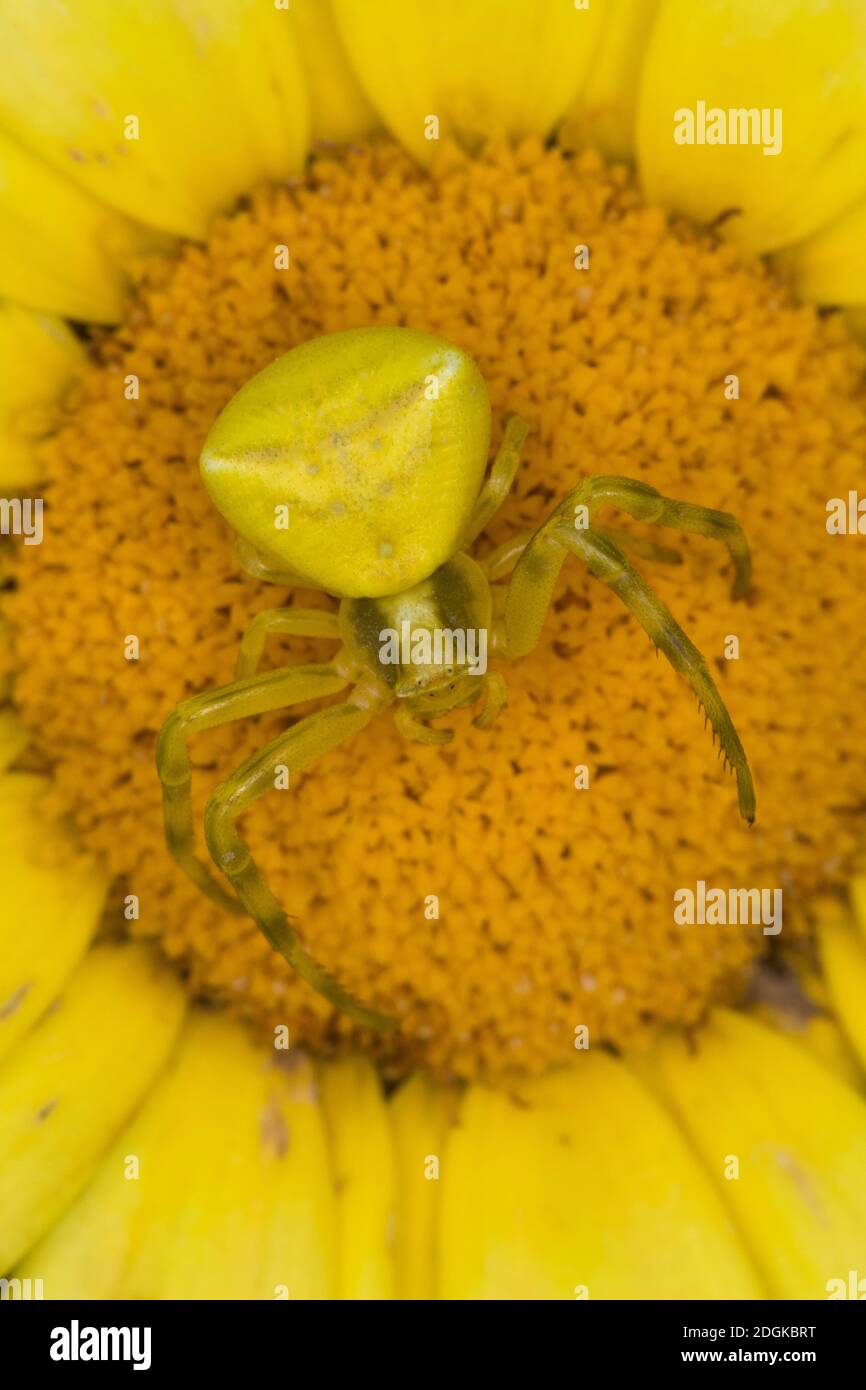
{"x": 62, "y": 251}
{"x": 419, "y": 1113}
{"x": 829, "y": 267}
{"x": 298, "y": 1186}
{"x": 165, "y": 111}
{"x": 339, "y": 107}
{"x": 225, "y": 93}
{"x": 579, "y": 1186}
{"x": 229, "y": 1157}
{"x": 794, "y": 1000}
{"x": 843, "y": 954}
{"x": 50, "y": 900}
{"x": 804, "y": 59}
{"x": 72, "y": 1081}
{"x": 478, "y": 68}
{"x": 783, "y": 1140}
{"x": 363, "y": 1174}
{"x": 605, "y": 112}
{"x": 38, "y": 357}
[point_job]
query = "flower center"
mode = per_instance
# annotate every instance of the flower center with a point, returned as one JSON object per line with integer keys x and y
{"x": 502, "y": 893}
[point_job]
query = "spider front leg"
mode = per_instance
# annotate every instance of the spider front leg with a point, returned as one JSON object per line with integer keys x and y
{"x": 531, "y": 590}
{"x": 418, "y": 730}
{"x": 501, "y": 561}
{"x": 494, "y": 698}
{"x": 258, "y": 566}
{"x": 502, "y": 474}
{"x": 640, "y": 546}
{"x": 299, "y": 746}
{"x": 259, "y": 694}
{"x": 413, "y": 721}
{"x": 289, "y": 622}
{"x": 644, "y": 503}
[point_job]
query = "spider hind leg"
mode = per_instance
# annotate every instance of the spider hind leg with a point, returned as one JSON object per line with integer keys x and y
{"x": 531, "y": 590}
{"x": 292, "y": 751}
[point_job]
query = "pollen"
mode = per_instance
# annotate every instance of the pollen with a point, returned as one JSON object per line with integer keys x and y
{"x": 503, "y": 893}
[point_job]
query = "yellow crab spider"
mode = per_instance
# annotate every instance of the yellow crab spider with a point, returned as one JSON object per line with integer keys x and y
{"x": 356, "y": 464}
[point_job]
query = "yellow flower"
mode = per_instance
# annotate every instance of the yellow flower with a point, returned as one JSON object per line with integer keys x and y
{"x": 109, "y": 114}
{"x": 137, "y": 1128}
{"x": 134, "y": 1134}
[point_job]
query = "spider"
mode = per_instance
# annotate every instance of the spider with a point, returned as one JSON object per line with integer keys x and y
{"x": 356, "y": 464}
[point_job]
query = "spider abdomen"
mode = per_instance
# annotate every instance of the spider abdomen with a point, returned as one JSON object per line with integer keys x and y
{"x": 354, "y": 460}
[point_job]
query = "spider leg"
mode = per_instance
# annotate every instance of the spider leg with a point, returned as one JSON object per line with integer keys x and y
{"x": 490, "y": 689}
{"x": 494, "y": 699}
{"x": 256, "y": 695}
{"x": 501, "y": 561}
{"x": 258, "y": 566}
{"x": 639, "y": 545}
{"x": 291, "y": 622}
{"x": 502, "y": 475}
{"x": 295, "y": 749}
{"x": 531, "y": 590}
{"x": 418, "y": 730}
{"x": 644, "y": 503}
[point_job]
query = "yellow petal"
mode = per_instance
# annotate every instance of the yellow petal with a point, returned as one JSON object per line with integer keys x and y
{"x": 752, "y": 1101}
{"x": 165, "y": 111}
{"x": 605, "y": 112}
{"x": 38, "y": 357}
{"x": 480, "y": 68}
{"x": 418, "y": 1113}
{"x": 362, "y": 1155}
{"x": 6, "y": 673}
{"x": 339, "y": 109}
{"x": 856, "y": 320}
{"x": 50, "y": 902}
{"x": 843, "y": 956}
{"x": 61, "y": 250}
{"x": 70, "y": 1084}
{"x": 13, "y": 740}
{"x": 830, "y": 267}
{"x": 804, "y": 59}
{"x": 828, "y": 1044}
{"x": 798, "y": 1004}
{"x": 578, "y": 1185}
{"x": 221, "y": 1188}
{"x": 858, "y": 902}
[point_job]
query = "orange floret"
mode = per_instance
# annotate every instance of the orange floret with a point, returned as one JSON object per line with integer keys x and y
{"x": 555, "y": 904}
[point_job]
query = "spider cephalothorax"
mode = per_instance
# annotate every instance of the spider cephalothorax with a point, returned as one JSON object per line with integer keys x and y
{"x": 356, "y": 464}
